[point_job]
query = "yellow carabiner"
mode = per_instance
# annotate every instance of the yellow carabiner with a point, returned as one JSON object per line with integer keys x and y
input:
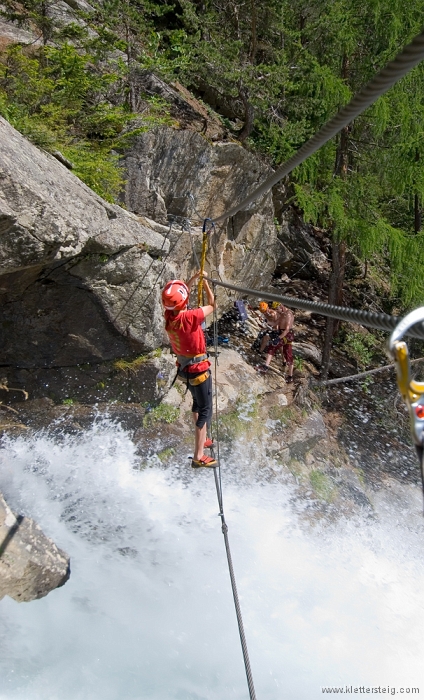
{"x": 412, "y": 392}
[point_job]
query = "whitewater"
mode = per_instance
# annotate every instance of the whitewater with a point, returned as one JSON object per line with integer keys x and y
{"x": 148, "y": 611}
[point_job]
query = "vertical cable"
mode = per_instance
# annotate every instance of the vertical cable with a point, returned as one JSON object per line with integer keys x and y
{"x": 224, "y": 526}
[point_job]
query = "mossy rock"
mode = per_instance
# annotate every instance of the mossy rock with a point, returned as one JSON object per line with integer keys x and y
{"x": 161, "y": 414}
{"x": 322, "y": 485}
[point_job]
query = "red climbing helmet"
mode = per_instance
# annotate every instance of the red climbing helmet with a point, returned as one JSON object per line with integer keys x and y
{"x": 175, "y": 295}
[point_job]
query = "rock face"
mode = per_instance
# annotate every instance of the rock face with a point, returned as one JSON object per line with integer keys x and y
{"x": 30, "y": 563}
{"x": 301, "y": 254}
{"x": 78, "y": 276}
{"x": 188, "y": 111}
{"x": 60, "y": 13}
{"x": 163, "y": 166}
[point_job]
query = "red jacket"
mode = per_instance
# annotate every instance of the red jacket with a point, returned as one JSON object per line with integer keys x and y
{"x": 186, "y": 336}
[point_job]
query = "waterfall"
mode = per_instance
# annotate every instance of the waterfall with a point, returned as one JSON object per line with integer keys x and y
{"x": 148, "y": 611}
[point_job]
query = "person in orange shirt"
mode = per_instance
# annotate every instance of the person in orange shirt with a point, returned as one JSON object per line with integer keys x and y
{"x": 184, "y": 329}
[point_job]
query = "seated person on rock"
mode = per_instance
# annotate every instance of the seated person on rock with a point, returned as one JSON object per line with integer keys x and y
{"x": 270, "y": 319}
{"x": 280, "y": 338}
{"x": 184, "y": 329}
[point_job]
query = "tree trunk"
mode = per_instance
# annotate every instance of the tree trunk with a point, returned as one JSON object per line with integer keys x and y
{"x": 254, "y": 42}
{"x": 417, "y": 214}
{"x": 417, "y": 203}
{"x": 249, "y": 116}
{"x": 335, "y": 296}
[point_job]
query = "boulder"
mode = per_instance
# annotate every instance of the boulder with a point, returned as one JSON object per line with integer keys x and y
{"x": 31, "y": 565}
{"x": 79, "y": 278}
{"x": 300, "y": 253}
{"x": 307, "y": 351}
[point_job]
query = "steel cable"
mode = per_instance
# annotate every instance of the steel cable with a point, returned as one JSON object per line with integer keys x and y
{"x": 224, "y": 526}
{"x": 187, "y": 227}
{"x": 411, "y": 55}
{"x": 146, "y": 272}
{"x": 371, "y": 319}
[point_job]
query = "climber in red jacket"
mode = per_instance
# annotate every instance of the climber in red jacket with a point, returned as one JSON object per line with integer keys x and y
{"x": 184, "y": 329}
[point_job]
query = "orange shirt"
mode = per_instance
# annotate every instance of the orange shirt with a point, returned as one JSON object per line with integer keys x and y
{"x": 186, "y": 336}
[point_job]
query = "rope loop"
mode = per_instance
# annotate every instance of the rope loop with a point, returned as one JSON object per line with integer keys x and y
{"x": 205, "y": 223}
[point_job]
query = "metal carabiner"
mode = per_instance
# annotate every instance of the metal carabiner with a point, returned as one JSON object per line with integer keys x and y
{"x": 412, "y": 391}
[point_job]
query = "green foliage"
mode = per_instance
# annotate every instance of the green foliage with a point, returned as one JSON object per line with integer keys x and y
{"x": 134, "y": 365}
{"x": 243, "y": 419}
{"x": 94, "y": 165}
{"x": 322, "y": 485}
{"x": 161, "y": 414}
{"x": 361, "y": 347}
{"x": 58, "y": 97}
{"x": 299, "y": 363}
{"x": 284, "y": 414}
{"x": 276, "y": 70}
{"x": 166, "y": 454}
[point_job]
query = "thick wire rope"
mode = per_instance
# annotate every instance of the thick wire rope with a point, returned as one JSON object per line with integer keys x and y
{"x": 193, "y": 206}
{"x": 379, "y": 85}
{"x": 371, "y": 319}
{"x": 224, "y": 526}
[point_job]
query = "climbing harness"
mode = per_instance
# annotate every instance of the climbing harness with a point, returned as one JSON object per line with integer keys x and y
{"x": 184, "y": 362}
{"x": 412, "y": 392}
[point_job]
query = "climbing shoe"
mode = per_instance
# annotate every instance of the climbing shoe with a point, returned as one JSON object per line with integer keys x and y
{"x": 204, "y": 461}
{"x": 208, "y": 443}
{"x": 289, "y": 380}
{"x": 262, "y": 369}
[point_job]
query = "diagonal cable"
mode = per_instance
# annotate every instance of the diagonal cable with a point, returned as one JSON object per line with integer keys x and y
{"x": 411, "y": 55}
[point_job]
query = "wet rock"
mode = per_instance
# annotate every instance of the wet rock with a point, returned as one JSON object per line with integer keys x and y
{"x": 305, "y": 436}
{"x": 143, "y": 379}
{"x": 31, "y": 565}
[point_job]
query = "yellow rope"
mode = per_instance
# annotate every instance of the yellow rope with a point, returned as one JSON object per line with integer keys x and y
{"x": 202, "y": 267}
